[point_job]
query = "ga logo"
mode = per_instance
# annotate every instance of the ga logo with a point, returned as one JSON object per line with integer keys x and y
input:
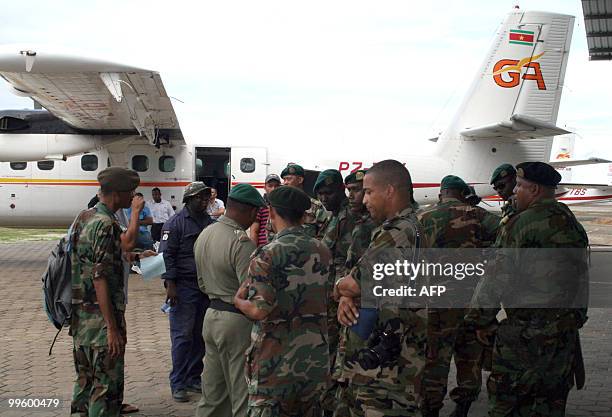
{"x": 507, "y": 72}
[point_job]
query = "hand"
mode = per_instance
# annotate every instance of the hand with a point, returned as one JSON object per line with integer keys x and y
{"x": 243, "y": 291}
{"x": 138, "y": 204}
{"x": 348, "y": 313}
{"x": 171, "y": 294}
{"x": 116, "y": 343}
{"x": 486, "y": 336}
{"x": 148, "y": 253}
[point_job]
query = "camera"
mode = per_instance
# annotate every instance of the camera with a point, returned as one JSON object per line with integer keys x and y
{"x": 384, "y": 347}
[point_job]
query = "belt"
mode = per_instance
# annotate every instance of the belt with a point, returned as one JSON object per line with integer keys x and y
{"x": 220, "y": 305}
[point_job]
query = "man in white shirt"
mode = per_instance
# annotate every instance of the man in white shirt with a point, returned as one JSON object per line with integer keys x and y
{"x": 216, "y": 208}
{"x": 161, "y": 210}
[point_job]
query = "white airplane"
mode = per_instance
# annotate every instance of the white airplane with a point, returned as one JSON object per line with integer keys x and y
{"x": 101, "y": 113}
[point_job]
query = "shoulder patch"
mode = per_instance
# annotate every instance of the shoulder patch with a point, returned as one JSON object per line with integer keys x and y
{"x": 165, "y": 235}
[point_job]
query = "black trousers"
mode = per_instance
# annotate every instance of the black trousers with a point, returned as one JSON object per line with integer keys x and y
{"x": 156, "y": 229}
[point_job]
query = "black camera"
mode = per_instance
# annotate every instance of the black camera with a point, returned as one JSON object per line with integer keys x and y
{"x": 383, "y": 350}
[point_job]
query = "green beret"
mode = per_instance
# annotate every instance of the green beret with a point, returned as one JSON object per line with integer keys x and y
{"x": 356, "y": 176}
{"x": 195, "y": 188}
{"x": 118, "y": 179}
{"x": 328, "y": 177}
{"x": 247, "y": 194}
{"x": 502, "y": 171}
{"x": 538, "y": 172}
{"x": 453, "y": 182}
{"x": 293, "y": 169}
{"x": 289, "y": 198}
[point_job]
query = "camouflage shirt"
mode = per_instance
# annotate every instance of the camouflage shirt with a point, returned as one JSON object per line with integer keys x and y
{"x": 315, "y": 219}
{"x": 289, "y": 353}
{"x": 453, "y": 224}
{"x": 396, "y": 238}
{"x": 546, "y": 224}
{"x": 96, "y": 255}
{"x": 360, "y": 239}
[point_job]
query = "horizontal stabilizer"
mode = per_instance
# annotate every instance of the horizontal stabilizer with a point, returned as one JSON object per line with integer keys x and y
{"x": 518, "y": 127}
{"x": 577, "y": 162}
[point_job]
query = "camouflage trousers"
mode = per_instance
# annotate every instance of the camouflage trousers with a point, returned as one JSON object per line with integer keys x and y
{"x": 98, "y": 389}
{"x": 447, "y": 336}
{"x": 532, "y": 372}
{"x": 305, "y": 404}
{"x": 329, "y": 397}
{"x": 364, "y": 401}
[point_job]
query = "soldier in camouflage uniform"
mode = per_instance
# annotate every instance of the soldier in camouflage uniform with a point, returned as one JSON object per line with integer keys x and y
{"x": 392, "y": 386}
{"x": 337, "y": 237}
{"x": 537, "y": 351}
{"x": 504, "y": 181}
{"x": 286, "y": 292}
{"x": 98, "y": 321}
{"x": 453, "y": 223}
{"x": 316, "y": 215}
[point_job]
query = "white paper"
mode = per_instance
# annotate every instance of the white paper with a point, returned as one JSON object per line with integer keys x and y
{"x": 152, "y": 266}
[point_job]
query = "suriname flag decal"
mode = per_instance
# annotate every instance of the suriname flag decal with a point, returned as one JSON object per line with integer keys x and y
{"x": 521, "y": 37}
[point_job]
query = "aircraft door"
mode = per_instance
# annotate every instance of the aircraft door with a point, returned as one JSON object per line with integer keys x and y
{"x": 249, "y": 165}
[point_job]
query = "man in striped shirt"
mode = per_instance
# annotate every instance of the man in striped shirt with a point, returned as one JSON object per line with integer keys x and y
{"x": 259, "y": 232}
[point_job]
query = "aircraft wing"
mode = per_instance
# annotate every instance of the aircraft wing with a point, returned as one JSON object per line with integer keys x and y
{"x": 518, "y": 127}
{"x": 91, "y": 95}
{"x": 584, "y": 185}
{"x": 577, "y": 162}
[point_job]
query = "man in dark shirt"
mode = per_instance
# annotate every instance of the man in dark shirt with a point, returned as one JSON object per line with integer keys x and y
{"x": 188, "y": 303}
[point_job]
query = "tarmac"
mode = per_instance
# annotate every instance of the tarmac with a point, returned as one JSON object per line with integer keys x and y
{"x": 28, "y": 372}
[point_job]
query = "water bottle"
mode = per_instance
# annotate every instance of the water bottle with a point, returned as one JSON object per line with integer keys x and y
{"x": 166, "y": 307}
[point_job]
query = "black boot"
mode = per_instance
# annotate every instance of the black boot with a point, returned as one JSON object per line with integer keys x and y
{"x": 461, "y": 409}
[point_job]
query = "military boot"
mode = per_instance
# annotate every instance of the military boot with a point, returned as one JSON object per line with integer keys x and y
{"x": 461, "y": 409}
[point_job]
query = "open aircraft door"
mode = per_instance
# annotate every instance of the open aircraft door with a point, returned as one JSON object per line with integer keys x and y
{"x": 249, "y": 165}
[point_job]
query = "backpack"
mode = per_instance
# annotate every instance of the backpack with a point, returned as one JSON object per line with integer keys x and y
{"x": 57, "y": 282}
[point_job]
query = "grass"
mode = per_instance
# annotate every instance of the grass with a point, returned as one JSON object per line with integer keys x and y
{"x": 11, "y": 235}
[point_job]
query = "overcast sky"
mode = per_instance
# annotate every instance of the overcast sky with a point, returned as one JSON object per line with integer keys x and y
{"x": 358, "y": 73}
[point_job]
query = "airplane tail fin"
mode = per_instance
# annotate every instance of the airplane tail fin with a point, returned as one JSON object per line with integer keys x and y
{"x": 510, "y": 111}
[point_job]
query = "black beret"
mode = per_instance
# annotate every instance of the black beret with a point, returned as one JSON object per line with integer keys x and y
{"x": 538, "y": 172}
{"x": 293, "y": 169}
{"x": 328, "y": 177}
{"x": 118, "y": 179}
{"x": 289, "y": 198}
{"x": 356, "y": 176}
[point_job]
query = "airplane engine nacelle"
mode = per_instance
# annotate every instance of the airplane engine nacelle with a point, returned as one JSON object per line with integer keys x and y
{"x": 16, "y": 147}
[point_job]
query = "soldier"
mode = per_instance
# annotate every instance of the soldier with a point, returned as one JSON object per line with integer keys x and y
{"x": 316, "y": 216}
{"x": 286, "y": 293}
{"x": 98, "y": 317}
{"x": 504, "y": 181}
{"x": 454, "y": 223}
{"x": 337, "y": 237}
{"x": 537, "y": 352}
{"x": 188, "y": 303}
{"x": 386, "y": 384}
{"x": 223, "y": 253}
{"x": 360, "y": 240}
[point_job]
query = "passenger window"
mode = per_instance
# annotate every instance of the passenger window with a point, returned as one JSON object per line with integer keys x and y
{"x": 89, "y": 162}
{"x": 18, "y": 166}
{"x": 167, "y": 163}
{"x": 45, "y": 165}
{"x": 140, "y": 163}
{"x": 247, "y": 165}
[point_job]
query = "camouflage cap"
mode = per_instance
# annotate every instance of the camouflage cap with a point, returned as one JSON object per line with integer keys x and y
{"x": 118, "y": 179}
{"x": 502, "y": 171}
{"x": 247, "y": 194}
{"x": 453, "y": 182}
{"x": 195, "y": 188}
{"x": 289, "y": 198}
{"x": 328, "y": 177}
{"x": 293, "y": 169}
{"x": 356, "y": 176}
{"x": 538, "y": 172}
